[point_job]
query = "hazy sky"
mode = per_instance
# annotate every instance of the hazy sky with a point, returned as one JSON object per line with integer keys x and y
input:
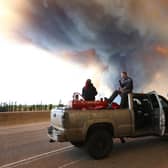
{"x": 39, "y": 40}
{"x": 31, "y": 75}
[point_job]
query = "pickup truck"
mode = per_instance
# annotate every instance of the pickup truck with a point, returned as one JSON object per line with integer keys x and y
{"x": 95, "y": 129}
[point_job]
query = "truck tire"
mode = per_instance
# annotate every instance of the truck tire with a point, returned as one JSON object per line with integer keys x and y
{"x": 77, "y": 144}
{"x": 99, "y": 143}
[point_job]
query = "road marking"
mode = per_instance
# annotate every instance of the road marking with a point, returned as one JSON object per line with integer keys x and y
{"x": 37, "y": 157}
{"x": 69, "y": 164}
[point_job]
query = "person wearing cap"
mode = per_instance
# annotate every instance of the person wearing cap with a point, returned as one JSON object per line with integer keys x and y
{"x": 89, "y": 91}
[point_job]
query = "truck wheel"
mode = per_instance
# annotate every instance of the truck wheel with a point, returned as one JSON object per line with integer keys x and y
{"x": 99, "y": 144}
{"x": 77, "y": 144}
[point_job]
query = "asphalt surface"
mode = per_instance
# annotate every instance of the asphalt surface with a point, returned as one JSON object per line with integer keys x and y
{"x": 27, "y": 146}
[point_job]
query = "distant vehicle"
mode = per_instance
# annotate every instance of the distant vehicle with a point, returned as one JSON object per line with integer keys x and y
{"x": 95, "y": 128}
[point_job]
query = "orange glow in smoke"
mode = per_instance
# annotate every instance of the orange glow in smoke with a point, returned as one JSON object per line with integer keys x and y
{"x": 87, "y": 58}
{"x": 162, "y": 50}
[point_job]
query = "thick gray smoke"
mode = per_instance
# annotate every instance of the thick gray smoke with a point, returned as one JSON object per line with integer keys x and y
{"x": 123, "y": 33}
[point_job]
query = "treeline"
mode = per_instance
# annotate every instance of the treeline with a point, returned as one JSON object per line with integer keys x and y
{"x": 4, "y": 107}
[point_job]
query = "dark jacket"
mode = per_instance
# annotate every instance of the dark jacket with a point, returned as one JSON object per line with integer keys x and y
{"x": 126, "y": 85}
{"x": 89, "y": 92}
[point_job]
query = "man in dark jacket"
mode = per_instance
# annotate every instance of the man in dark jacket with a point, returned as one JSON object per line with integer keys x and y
{"x": 89, "y": 91}
{"x": 125, "y": 87}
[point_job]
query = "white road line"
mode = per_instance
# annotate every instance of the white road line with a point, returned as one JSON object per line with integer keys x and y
{"x": 37, "y": 157}
{"x": 70, "y": 163}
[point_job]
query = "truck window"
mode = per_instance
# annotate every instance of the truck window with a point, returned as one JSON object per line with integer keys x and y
{"x": 154, "y": 101}
{"x": 142, "y": 102}
{"x": 164, "y": 102}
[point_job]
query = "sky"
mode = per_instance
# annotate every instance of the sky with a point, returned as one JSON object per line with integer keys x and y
{"x": 32, "y": 75}
{"x": 48, "y": 48}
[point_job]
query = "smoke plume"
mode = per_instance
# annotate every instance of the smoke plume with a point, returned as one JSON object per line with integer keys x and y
{"x": 124, "y": 33}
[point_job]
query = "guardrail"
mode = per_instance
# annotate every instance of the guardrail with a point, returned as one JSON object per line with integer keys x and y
{"x": 16, "y": 118}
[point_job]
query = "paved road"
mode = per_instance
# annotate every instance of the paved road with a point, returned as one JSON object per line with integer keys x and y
{"x": 27, "y": 147}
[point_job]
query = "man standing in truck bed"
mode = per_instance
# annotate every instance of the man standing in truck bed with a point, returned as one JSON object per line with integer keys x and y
{"x": 125, "y": 87}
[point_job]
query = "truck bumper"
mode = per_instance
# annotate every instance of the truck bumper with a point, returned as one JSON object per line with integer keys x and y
{"x": 56, "y": 134}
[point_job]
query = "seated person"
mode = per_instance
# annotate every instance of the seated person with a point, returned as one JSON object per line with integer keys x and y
{"x": 89, "y": 91}
{"x": 125, "y": 87}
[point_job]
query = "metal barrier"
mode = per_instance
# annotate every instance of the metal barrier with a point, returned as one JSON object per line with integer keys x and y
{"x": 16, "y": 118}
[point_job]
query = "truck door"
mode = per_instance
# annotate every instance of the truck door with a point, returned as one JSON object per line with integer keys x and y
{"x": 158, "y": 114}
{"x": 164, "y": 103}
{"x": 143, "y": 114}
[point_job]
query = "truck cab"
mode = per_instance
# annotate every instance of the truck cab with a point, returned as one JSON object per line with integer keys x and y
{"x": 149, "y": 114}
{"x": 95, "y": 129}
